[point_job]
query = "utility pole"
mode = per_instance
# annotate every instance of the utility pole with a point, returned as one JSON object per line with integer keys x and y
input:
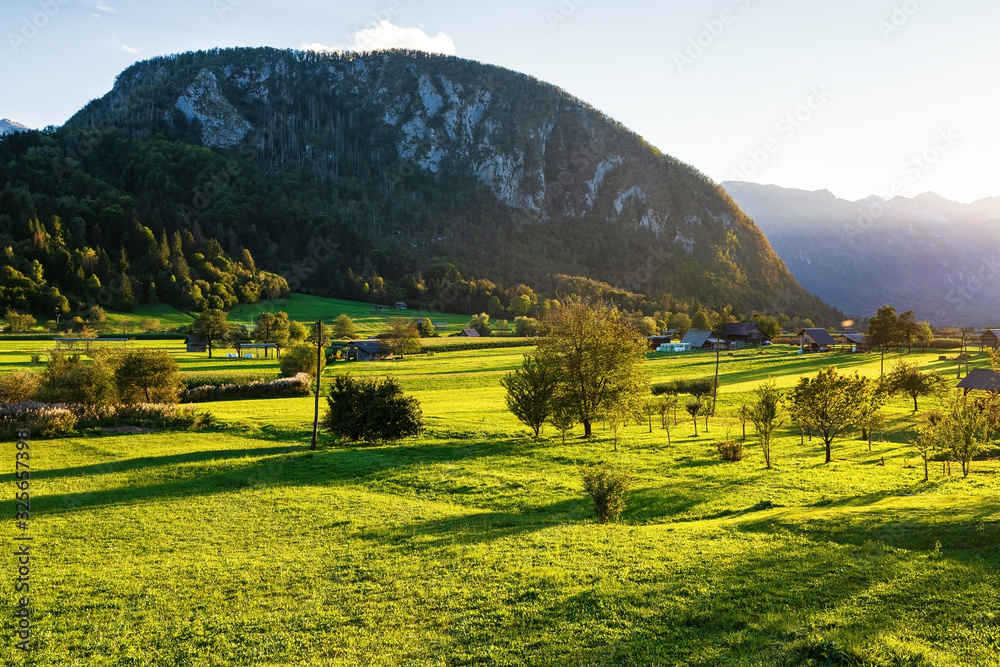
{"x": 715, "y": 387}
{"x": 319, "y": 370}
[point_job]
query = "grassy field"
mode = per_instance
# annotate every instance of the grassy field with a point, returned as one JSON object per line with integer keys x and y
{"x": 474, "y": 544}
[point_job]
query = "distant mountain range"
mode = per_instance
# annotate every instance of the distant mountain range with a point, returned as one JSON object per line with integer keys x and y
{"x": 7, "y": 126}
{"x": 926, "y": 253}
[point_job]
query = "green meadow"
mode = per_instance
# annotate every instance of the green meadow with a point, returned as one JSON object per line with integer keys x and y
{"x": 475, "y": 545}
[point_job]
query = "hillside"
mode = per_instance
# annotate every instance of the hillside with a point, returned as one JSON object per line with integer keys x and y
{"x": 8, "y": 126}
{"x": 935, "y": 256}
{"x": 392, "y": 175}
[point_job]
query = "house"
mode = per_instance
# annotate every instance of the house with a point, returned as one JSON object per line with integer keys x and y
{"x": 657, "y": 341}
{"x": 990, "y": 339}
{"x": 469, "y": 333}
{"x": 368, "y": 350}
{"x": 700, "y": 339}
{"x": 980, "y": 379}
{"x": 400, "y": 305}
{"x": 857, "y": 342}
{"x": 744, "y": 333}
{"x": 815, "y": 340}
{"x": 196, "y": 344}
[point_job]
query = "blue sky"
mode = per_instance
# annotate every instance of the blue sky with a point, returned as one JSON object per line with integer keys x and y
{"x": 857, "y": 96}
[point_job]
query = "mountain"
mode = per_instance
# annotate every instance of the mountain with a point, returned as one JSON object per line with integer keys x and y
{"x": 388, "y": 176}
{"x": 926, "y": 253}
{"x": 8, "y": 126}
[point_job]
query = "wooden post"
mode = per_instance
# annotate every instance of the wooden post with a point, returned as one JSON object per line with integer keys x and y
{"x": 319, "y": 360}
{"x": 715, "y": 387}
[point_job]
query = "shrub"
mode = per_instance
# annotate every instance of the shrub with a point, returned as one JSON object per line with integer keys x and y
{"x": 147, "y": 375}
{"x": 70, "y": 380}
{"x": 20, "y": 386}
{"x": 609, "y": 487}
{"x": 299, "y": 359}
{"x": 729, "y": 450}
{"x": 220, "y": 378}
{"x": 40, "y": 419}
{"x": 300, "y": 385}
{"x": 371, "y": 410}
{"x": 36, "y": 358}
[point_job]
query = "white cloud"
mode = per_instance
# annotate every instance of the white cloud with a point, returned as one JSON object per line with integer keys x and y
{"x": 125, "y": 47}
{"x": 387, "y": 35}
{"x": 107, "y": 8}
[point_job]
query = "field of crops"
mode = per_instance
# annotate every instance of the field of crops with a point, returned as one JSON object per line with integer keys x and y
{"x": 475, "y": 545}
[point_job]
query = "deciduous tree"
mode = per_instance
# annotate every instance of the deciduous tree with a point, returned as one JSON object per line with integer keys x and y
{"x": 530, "y": 393}
{"x": 211, "y": 326}
{"x": 764, "y": 413}
{"x": 829, "y": 403}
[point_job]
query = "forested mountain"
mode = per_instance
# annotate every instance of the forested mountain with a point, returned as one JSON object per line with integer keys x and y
{"x": 937, "y": 257}
{"x": 383, "y": 176}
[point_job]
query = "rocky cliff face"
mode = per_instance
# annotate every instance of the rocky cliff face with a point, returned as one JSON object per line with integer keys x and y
{"x": 7, "y": 126}
{"x": 398, "y": 125}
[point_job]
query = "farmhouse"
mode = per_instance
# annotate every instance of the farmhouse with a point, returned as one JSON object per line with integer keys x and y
{"x": 815, "y": 340}
{"x": 990, "y": 339}
{"x": 741, "y": 334}
{"x": 980, "y": 379}
{"x": 469, "y": 333}
{"x": 700, "y": 339}
{"x": 368, "y": 350}
{"x": 857, "y": 342}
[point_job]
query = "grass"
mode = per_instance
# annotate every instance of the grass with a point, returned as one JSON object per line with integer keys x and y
{"x": 474, "y": 543}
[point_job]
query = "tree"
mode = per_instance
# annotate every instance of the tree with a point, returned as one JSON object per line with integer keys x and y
{"x": 906, "y": 329}
{"x": 907, "y": 379}
{"x": 300, "y": 359}
{"x": 426, "y": 328}
{"x": 871, "y": 416}
{"x": 371, "y": 410}
{"x": 272, "y": 328}
{"x": 562, "y": 417}
{"x": 18, "y": 322}
{"x": 929, "y": 437}
{"x": 480, "y": 323}
{"x": 764, "y": 414}
{"x": 883, "y": 331}
{"x": 402, "y": 336}
{"x": 701, "y": 321}
{"x": 681, "y": 322}
{"x": 743, "y": 414}
{"x": 609, "y": 487}
{"x": 150, "y": 375}
{"x": 211, "y": 326}
{"x": 768, "y": 325}
{"x": 297, "y": 332}
{"x": 694, "y": 409}
{"x": 343, "y": 328}
{"x": 966, "y": 426}
{"x": 829, "y": 403}
{"x": 597, "y": 357}
{"x": 530, "y": 393}
{"x": 924, "y": 334}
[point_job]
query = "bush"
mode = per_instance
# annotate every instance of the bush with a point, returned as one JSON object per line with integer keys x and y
{"x": 20, "y": 386}
{"x": 609, "y": 487}
{"x": 220, "y": 378}
{"x": 39, "y": 419}
{"x": 299, "y": 359}
{"x": 729, "y": 451}
{"x": 300, "y": 385}
{"x": 371, "y": 410}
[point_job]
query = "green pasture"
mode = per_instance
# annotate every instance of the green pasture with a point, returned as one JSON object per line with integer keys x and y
{"x": 474, "y": 544}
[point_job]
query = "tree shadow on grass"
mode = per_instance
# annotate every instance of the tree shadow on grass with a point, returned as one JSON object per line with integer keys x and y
{"x": 480, "y": 527}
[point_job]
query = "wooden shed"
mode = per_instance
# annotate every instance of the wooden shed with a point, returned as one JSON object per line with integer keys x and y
{"x": 990, "y": 339}
{"x": 744, "y": 334}
{"x": 980, "y": 379}
{"x": 816, "y": 340}
{"x": 368, "y": 350}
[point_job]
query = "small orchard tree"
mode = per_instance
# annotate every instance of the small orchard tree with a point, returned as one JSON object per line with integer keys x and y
{"x": 371, "y": 410}
{"x": 929, "y": 437}
{"x": 609, "y": 487}
{"x": 829, "y": 403}
{"x": 743, "y": 414}
{"x": 152, "y": 376}
{"x": 480, "y": 323}
{"x": 764, "y": 412}
{"x": 343, "y": 328}
{"x": 870, "y": 417}
{"x": 562, "y": 417}
{"x": 966, "y": 425}
{"x": 530, "y": 393}
{"x": 694, "y": 409}
{"x": 211, "y": 326}
{"x": 272, "y": 328}
{"x": 907, "y": 379}
{"x": 924, "y": 335}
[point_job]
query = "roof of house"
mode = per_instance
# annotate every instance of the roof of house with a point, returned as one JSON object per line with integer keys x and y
{"x": 819, "y": 335}
{"x": 857, "y": 339}
{"x": 742, "y": 329}
{"x": 994, "y": 332}
{"x": 982, "y": 379}
{"x": 698, "y": 338}
{"x": 471, "y": 333}
{"x": 370, "y": 346}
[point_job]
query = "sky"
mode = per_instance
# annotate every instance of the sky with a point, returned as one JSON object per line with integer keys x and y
{"x": 858, "y": 97}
